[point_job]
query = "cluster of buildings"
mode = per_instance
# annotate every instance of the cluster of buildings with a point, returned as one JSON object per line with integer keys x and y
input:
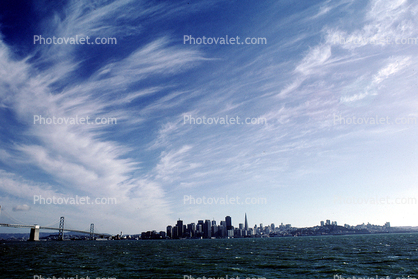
{"x": 369, "y": 227}
{"x": 358, "y": 227}
{"x": 210, "y": 229}
{"x": 328, "y": 223}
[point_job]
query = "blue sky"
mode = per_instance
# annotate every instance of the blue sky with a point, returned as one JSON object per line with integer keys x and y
{"x": 304, "y": 162}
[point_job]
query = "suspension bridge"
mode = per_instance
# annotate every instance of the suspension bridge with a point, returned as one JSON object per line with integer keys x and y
{"x": 34, "y": 229}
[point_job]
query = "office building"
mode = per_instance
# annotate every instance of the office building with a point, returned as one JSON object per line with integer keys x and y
{"x": 207, "y": 229}
{"x": 180, "y": 229}
{"x": 228, "y": 222}
{"x": 170, "y": 231}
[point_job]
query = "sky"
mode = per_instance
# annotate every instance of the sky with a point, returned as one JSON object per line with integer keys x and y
{"x": 331, "y": 88}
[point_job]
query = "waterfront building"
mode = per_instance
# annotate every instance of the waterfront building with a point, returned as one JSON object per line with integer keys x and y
{"x": 170, "y": 231}
{"x": 180, "y": 229}
{"x": 228, "y": 222}
{"x": 207, "y": 229}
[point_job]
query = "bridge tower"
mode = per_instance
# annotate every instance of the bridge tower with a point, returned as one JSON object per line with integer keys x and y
{"x": 91, "y": 231}
{"x": 34, "y": 233}
{"x": 61, "y": 229}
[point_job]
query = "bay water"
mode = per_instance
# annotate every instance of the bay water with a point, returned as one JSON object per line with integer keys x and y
{"x": 355, "y": 256}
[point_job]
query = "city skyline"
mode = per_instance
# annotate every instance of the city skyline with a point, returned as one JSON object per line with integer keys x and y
{"x": 208, "y": 229}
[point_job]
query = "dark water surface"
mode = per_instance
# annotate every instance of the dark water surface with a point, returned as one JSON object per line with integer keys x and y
{"x": 393, "y": 255}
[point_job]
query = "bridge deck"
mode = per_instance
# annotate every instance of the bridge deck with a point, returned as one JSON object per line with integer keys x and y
{"x": 48, "y": 228}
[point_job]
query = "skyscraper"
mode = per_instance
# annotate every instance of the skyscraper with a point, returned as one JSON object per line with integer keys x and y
{"x": 222, "y": 229}
{"x": 191, "y": 228}
{"x": 180, "y": 230}
{"x": 228, "y": 222}
{"x": 207, "y": 229}
{"x": 246, "y": 223}
{"x": 170, "y": 231}
{"x": 214, "y": 229}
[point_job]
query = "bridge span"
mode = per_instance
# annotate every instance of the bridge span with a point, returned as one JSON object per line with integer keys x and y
{"x": 34, "y": 230}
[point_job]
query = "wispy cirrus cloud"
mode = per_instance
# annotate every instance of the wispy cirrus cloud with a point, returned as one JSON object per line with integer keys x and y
{"x": 80, "y": 157}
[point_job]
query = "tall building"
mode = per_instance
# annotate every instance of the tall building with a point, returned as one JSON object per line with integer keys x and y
{"x": 222, "y": 229}
{"x": 228, "y": 222}
{"x": 180, "y": 231}
{"x": 328, "y": 222}
{"x": 170, "y": 231}
{"x": 191, "y": 228}
{"x": 246, "y": 223}
{"x": 207, "y": 229}
{"x": 215, "y": 231}
{"x": 200, "y": 228}
{"x": 174, "y": 232}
